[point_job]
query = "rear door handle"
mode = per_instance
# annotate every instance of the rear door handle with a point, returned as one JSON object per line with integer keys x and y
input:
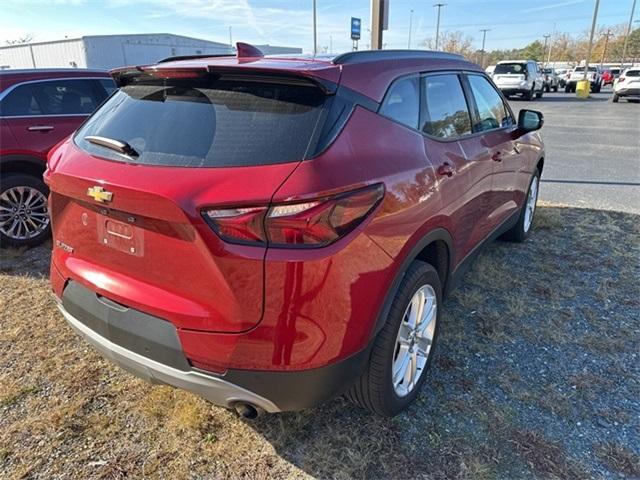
{"x": 446, "y": 169}
{"x": 40, "y": 128}
{"x": 497, "y": 157}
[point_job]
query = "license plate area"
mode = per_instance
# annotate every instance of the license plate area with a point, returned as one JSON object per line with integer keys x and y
{"x": 121, "y": 236}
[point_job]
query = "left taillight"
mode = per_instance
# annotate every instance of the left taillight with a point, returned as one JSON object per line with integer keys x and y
{"x": 309, "y": 224}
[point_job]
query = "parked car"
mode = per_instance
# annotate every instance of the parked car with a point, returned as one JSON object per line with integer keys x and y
{"x": 628, "y": 85}
{"x": 615, "y": 72}
{"x": 607, "y": 78}
{"x": 519, "y": 77}
{"x": 489, "y": 70}
{"x": 551, "y": 79}
{"x": 563, "y": 75}
{"x": 593, "y": 75}
{"x": 38, "y": 109}
{"x": 271, "y": 232}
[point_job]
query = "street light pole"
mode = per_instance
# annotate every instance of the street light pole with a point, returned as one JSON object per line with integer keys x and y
{"x": 546, "y": 39}
{"x": 626, "y": 37}
{"x": 593, "y": 29}
{"x": 230, "y": 37}
{"x": 439, "y": 6}
{"x": 484, "y": 37}
{"x": 315, "y": 30}
{"x": 410, "y": 26}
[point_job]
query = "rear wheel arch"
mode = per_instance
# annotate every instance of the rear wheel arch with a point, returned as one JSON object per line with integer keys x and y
{"x": 540, "y": 165}
{"x": 435, "y": 248}
{"x": 23, "y": 164}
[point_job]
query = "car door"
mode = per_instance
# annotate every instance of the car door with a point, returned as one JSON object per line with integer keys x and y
{"x": 494, "y": 122}
{"x": 41, "y": 113}
{"x": 462, "y": 181}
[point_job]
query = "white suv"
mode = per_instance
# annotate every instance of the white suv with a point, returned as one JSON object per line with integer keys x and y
{"x": 628, "y": 85}
{"x": 519, "y": 77}
{"x": 593, "y": 75}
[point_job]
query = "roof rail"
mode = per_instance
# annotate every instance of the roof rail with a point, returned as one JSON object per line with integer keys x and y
{"x": 194, "y": 57}
{"x": 372, "y": 55}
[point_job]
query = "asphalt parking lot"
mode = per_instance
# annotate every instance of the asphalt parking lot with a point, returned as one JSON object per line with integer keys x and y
{"x": 593, "y": 150}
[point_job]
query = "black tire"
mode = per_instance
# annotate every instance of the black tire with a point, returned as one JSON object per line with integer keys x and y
{"x": 567, "y": 89}
{"x": 539, "y": 94}
{"x": 555, "y": 89}
{"x": 529, "y": 95}
{"x": 518, "y": 232}
{"x": 13, "y": 180}
{"x": 374, "y": 389}
{"x": 547, "y": 88}
{"x": 615, "y": 98}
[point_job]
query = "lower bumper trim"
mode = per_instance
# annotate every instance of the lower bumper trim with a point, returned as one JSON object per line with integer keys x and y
{"x": 215, "y": 389}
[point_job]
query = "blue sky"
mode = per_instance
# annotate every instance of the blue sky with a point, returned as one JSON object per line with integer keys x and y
{"x": 288, "y": 22}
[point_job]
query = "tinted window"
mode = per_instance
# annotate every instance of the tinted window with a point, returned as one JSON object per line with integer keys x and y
{"x": 446, "y": 113}
{"x": 207, "y": 123}
{"x": 514, "y": 68}
{"x": 65, "y": 97}
{"x": 632, "y": 73}
{"x": 491, "y": 109}
{"x": 109, "y": 85}
{"x": 19, "y": 102}
{"x": 402, "y": 102}
{"x": 581, "y": 69}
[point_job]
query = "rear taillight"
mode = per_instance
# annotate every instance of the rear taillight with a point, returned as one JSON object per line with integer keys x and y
{"x": 309, "y": 224}
{"x": 620, "y": 79}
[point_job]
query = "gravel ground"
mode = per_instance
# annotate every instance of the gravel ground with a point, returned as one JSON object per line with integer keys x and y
{"x": 536, "y": 375}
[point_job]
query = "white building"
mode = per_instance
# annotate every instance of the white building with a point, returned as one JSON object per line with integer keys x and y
{"x": 111, "y": 51}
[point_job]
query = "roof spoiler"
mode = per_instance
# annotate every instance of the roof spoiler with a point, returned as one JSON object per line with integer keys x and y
{"x": 243, "y": 50}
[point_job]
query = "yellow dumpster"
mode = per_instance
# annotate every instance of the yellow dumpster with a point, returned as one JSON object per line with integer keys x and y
{"x": 582, "y": 89}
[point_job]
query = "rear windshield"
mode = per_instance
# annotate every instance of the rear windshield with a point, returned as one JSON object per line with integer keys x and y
{"x": 632, "y": 73}
{"x": 547, "y": 70}
{"x": 581, "y": 69}
{"x": 517, "y": 68}
{"x": 207, "y": 123}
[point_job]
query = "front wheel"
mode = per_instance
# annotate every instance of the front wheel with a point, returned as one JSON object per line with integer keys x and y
{"x": 521, "y": 230}
{"x": 24, "y": 216}
{"x": 555, "y": 89}
{"x": 529, "y": 95}
{"x": 402, "y": 351}
{"x": 615, "y": 98}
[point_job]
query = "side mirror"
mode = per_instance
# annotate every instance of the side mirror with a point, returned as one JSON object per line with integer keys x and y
{"x": 530, "y": 121}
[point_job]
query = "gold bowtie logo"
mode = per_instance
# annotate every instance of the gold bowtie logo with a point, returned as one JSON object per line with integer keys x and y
{"x": 99, "y": 194}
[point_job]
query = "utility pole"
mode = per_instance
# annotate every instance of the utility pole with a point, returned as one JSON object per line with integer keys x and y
{"x": 546, "y": 39}
{"x": 606, "y": 42}
{"x": 553, "y": 34}
{"x": 484, "y": 37}
{"x": 315, "y": 30}
{"x": 330, "y": 43}
{"x": 379, "y": 13}
{"x": 593, "y": 29}
{"x": 626, "y": 37}
{"x": 439, "y": 6}
{"x": 410, "y": 25}
{"x": 230, "y": 37}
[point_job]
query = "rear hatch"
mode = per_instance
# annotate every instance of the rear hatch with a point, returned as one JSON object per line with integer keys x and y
{"x": 130, "y": 188}
{"x": 578, "y": 74}
{"x": 509, "y": 73}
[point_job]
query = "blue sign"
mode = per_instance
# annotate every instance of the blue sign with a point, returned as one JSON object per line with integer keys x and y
{"x": 355, "y": 28}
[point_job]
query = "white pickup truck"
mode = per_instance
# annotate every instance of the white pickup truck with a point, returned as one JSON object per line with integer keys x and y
{"x": 594, "y": 75}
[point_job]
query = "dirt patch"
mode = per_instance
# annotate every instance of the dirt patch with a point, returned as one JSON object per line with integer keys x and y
{"x": 537, "y": 358}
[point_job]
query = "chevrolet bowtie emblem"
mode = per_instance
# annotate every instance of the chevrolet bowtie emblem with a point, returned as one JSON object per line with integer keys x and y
{"x": 99, "y": 194}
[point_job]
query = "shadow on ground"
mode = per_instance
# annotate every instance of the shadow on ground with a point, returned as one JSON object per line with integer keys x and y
{"x": 536, "y": 375}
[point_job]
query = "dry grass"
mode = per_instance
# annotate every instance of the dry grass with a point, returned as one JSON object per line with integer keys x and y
{"x": 540, "y": 337}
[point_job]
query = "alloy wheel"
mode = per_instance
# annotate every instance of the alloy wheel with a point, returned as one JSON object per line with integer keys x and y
{"x": 530, "y": 207}
{"x": 414, "y": 340}
{"x": 23, "y": 213}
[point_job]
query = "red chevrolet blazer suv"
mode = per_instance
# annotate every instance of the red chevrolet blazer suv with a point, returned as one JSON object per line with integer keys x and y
{"x": 38, "y": 109}
{"x": 270, "y": 232}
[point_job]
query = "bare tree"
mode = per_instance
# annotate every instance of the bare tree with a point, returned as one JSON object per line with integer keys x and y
{"x": 17, "y": 41}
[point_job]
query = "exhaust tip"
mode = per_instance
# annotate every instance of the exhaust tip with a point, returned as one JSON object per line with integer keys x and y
{"x": 246, "y": 410}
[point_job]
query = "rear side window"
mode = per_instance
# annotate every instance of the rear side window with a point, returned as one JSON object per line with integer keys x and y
{"x": 208, "y": 123}
{"x": 402, "y": 102}
{"x": 632, "y": 73}
{"x": 492, "y": 112}
{"x": 446, "y": 113}
{"x": 55, "y": 97}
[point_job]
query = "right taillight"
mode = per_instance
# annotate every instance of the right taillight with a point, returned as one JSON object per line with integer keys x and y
{"x": 621, "y": 79}
{"x": 308, "y": 224}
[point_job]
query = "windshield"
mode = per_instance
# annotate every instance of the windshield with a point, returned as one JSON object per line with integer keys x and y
{"x": 206, "y": 123}
{"x": 513, "y": 68}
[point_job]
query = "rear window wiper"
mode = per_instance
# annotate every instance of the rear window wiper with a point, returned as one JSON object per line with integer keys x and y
{"x": 113, "y": 144}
